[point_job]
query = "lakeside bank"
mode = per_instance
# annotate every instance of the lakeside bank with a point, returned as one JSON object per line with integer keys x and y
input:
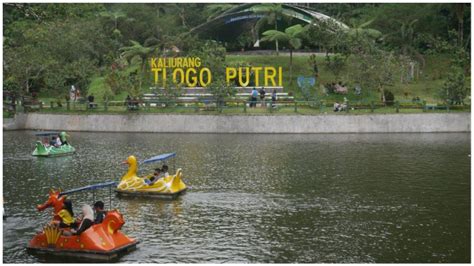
{"x": 176, "y": 123}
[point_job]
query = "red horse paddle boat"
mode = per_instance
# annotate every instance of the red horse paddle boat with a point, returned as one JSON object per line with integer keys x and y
{"x": 100, "y": 242}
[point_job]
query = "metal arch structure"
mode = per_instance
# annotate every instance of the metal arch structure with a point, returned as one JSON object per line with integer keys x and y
{"x": 244, "y": 16}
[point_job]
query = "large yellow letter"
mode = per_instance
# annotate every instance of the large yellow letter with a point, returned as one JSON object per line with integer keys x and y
{"x": 230, "y": 73}
{"x": 247, "y": 76}
{"x": 193, "y": 78}
{"x": 257, "y": 75}
{"x": 181, "y": 71}
{"x": 155, "y": 74}
{"x": 280, "y": 77}
{"x": 153, "y": 62}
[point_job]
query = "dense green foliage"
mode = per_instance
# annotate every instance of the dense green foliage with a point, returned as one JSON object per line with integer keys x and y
{"x": 104, "y": 48}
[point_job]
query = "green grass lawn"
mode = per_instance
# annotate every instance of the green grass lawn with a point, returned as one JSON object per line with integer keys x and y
{"x": 426, "y": 86}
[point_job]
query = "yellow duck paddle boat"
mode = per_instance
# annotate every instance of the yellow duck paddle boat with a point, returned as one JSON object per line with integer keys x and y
{"x": 167, "y": 186}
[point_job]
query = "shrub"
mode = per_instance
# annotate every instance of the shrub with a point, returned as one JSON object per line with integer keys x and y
{"x": 389, "y": 97}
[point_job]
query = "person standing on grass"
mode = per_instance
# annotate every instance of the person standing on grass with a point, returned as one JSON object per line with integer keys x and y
{"x": 262, "y": 97}
{"x": 254, "y": 95}
{"x": 274, "y": 97}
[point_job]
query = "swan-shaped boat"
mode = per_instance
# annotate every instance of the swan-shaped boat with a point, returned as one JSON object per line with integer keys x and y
{"x": 43, "y": 149}
{"x": 102, "y": 242}
{"x": 168, "y": 187}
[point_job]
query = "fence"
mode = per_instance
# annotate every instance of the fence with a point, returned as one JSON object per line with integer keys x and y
{"x": 241, "y": 106}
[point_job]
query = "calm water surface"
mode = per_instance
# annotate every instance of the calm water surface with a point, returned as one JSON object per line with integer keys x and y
{"x": 263, "y": 198}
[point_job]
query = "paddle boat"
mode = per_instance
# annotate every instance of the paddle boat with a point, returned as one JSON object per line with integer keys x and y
{"x": 44, "y": 149}
{"x": 102, "y": 242}
{"x": 166, "y": 187}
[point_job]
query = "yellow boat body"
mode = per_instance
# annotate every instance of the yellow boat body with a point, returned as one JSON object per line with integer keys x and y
{"x": 130, "y": 182}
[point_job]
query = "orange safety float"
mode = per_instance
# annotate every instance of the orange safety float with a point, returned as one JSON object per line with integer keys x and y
{"x": 101, "y": 242}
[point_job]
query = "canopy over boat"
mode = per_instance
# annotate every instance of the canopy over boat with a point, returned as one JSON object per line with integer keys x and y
{"x": 161, "y": 157}
{"x": 46, "y": 133}
{"x": 90, "y": 187}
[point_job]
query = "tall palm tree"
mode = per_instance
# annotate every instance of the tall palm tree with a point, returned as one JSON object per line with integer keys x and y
{"x": 271, "y": 14}
{"x": 138, "y": 50}
{"x": 459, "y": 11}
{"x": 115, "y": 16}
{"x": 292, "y": 35}
{"x": 364, "y": 30}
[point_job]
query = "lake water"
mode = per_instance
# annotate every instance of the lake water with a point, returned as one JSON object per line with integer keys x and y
{"x": 263, "y": 198}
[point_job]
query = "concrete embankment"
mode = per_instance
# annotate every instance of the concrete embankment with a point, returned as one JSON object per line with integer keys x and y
{"x": 377, "y": 123}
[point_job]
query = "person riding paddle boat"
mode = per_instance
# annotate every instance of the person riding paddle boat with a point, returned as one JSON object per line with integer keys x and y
{"x": 101, "y": 242}
{"x": 160, "y": 185}
{"x": 60, "y": 146}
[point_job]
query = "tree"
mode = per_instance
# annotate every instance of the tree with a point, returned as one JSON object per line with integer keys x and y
{"x": 292, "y": 36}
{"x": 363, "y": 30}
{"x": 114, "y": 16}
{"x": 326, "y": 34}
{"x": 373, "y": 67}
{"x": 138, "y": 50}
{"x": 220, "y": 90}
{"x": 454, "y": 90}
{"x": 24, "y": 66}
{"x": 214, "y": 10}
{"x": 272, "y": 13}
{"x": 459, "y": 11}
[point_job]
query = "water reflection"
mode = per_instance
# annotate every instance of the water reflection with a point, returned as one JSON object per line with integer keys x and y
{"x": 264, "y": 198}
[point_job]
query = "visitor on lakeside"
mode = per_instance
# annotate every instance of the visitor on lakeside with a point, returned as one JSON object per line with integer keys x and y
{"x": 66, "y": 215}
{"x": 164, "y": 170}
{"x": 78, "y": 94}
{"x": 358, "y": 90}
{"x": 87, "y": 220}
{"x": 274, "y": 97}
{"x": 128, "y": 101}
{"x": 262, "y": 96}
{"x": 90, "y": 99}
{"x": 254, "y": 95}
{"x": 72, "y": 93}
{"x": 99, "y": 212}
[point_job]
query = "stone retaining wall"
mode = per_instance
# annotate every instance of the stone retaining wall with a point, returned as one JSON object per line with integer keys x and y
{"x": 330, "y": 123}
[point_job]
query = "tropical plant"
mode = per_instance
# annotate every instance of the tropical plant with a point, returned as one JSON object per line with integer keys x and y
{"x": 292, "y": 36}
{"x": 454, "y": 89}
{"x": 363, "y": 30}
{"x": 271, "y": 14}
{"x": 138, "y": 50}
{"x": 115, "y": 16}
{"x": 220, "y": 90}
